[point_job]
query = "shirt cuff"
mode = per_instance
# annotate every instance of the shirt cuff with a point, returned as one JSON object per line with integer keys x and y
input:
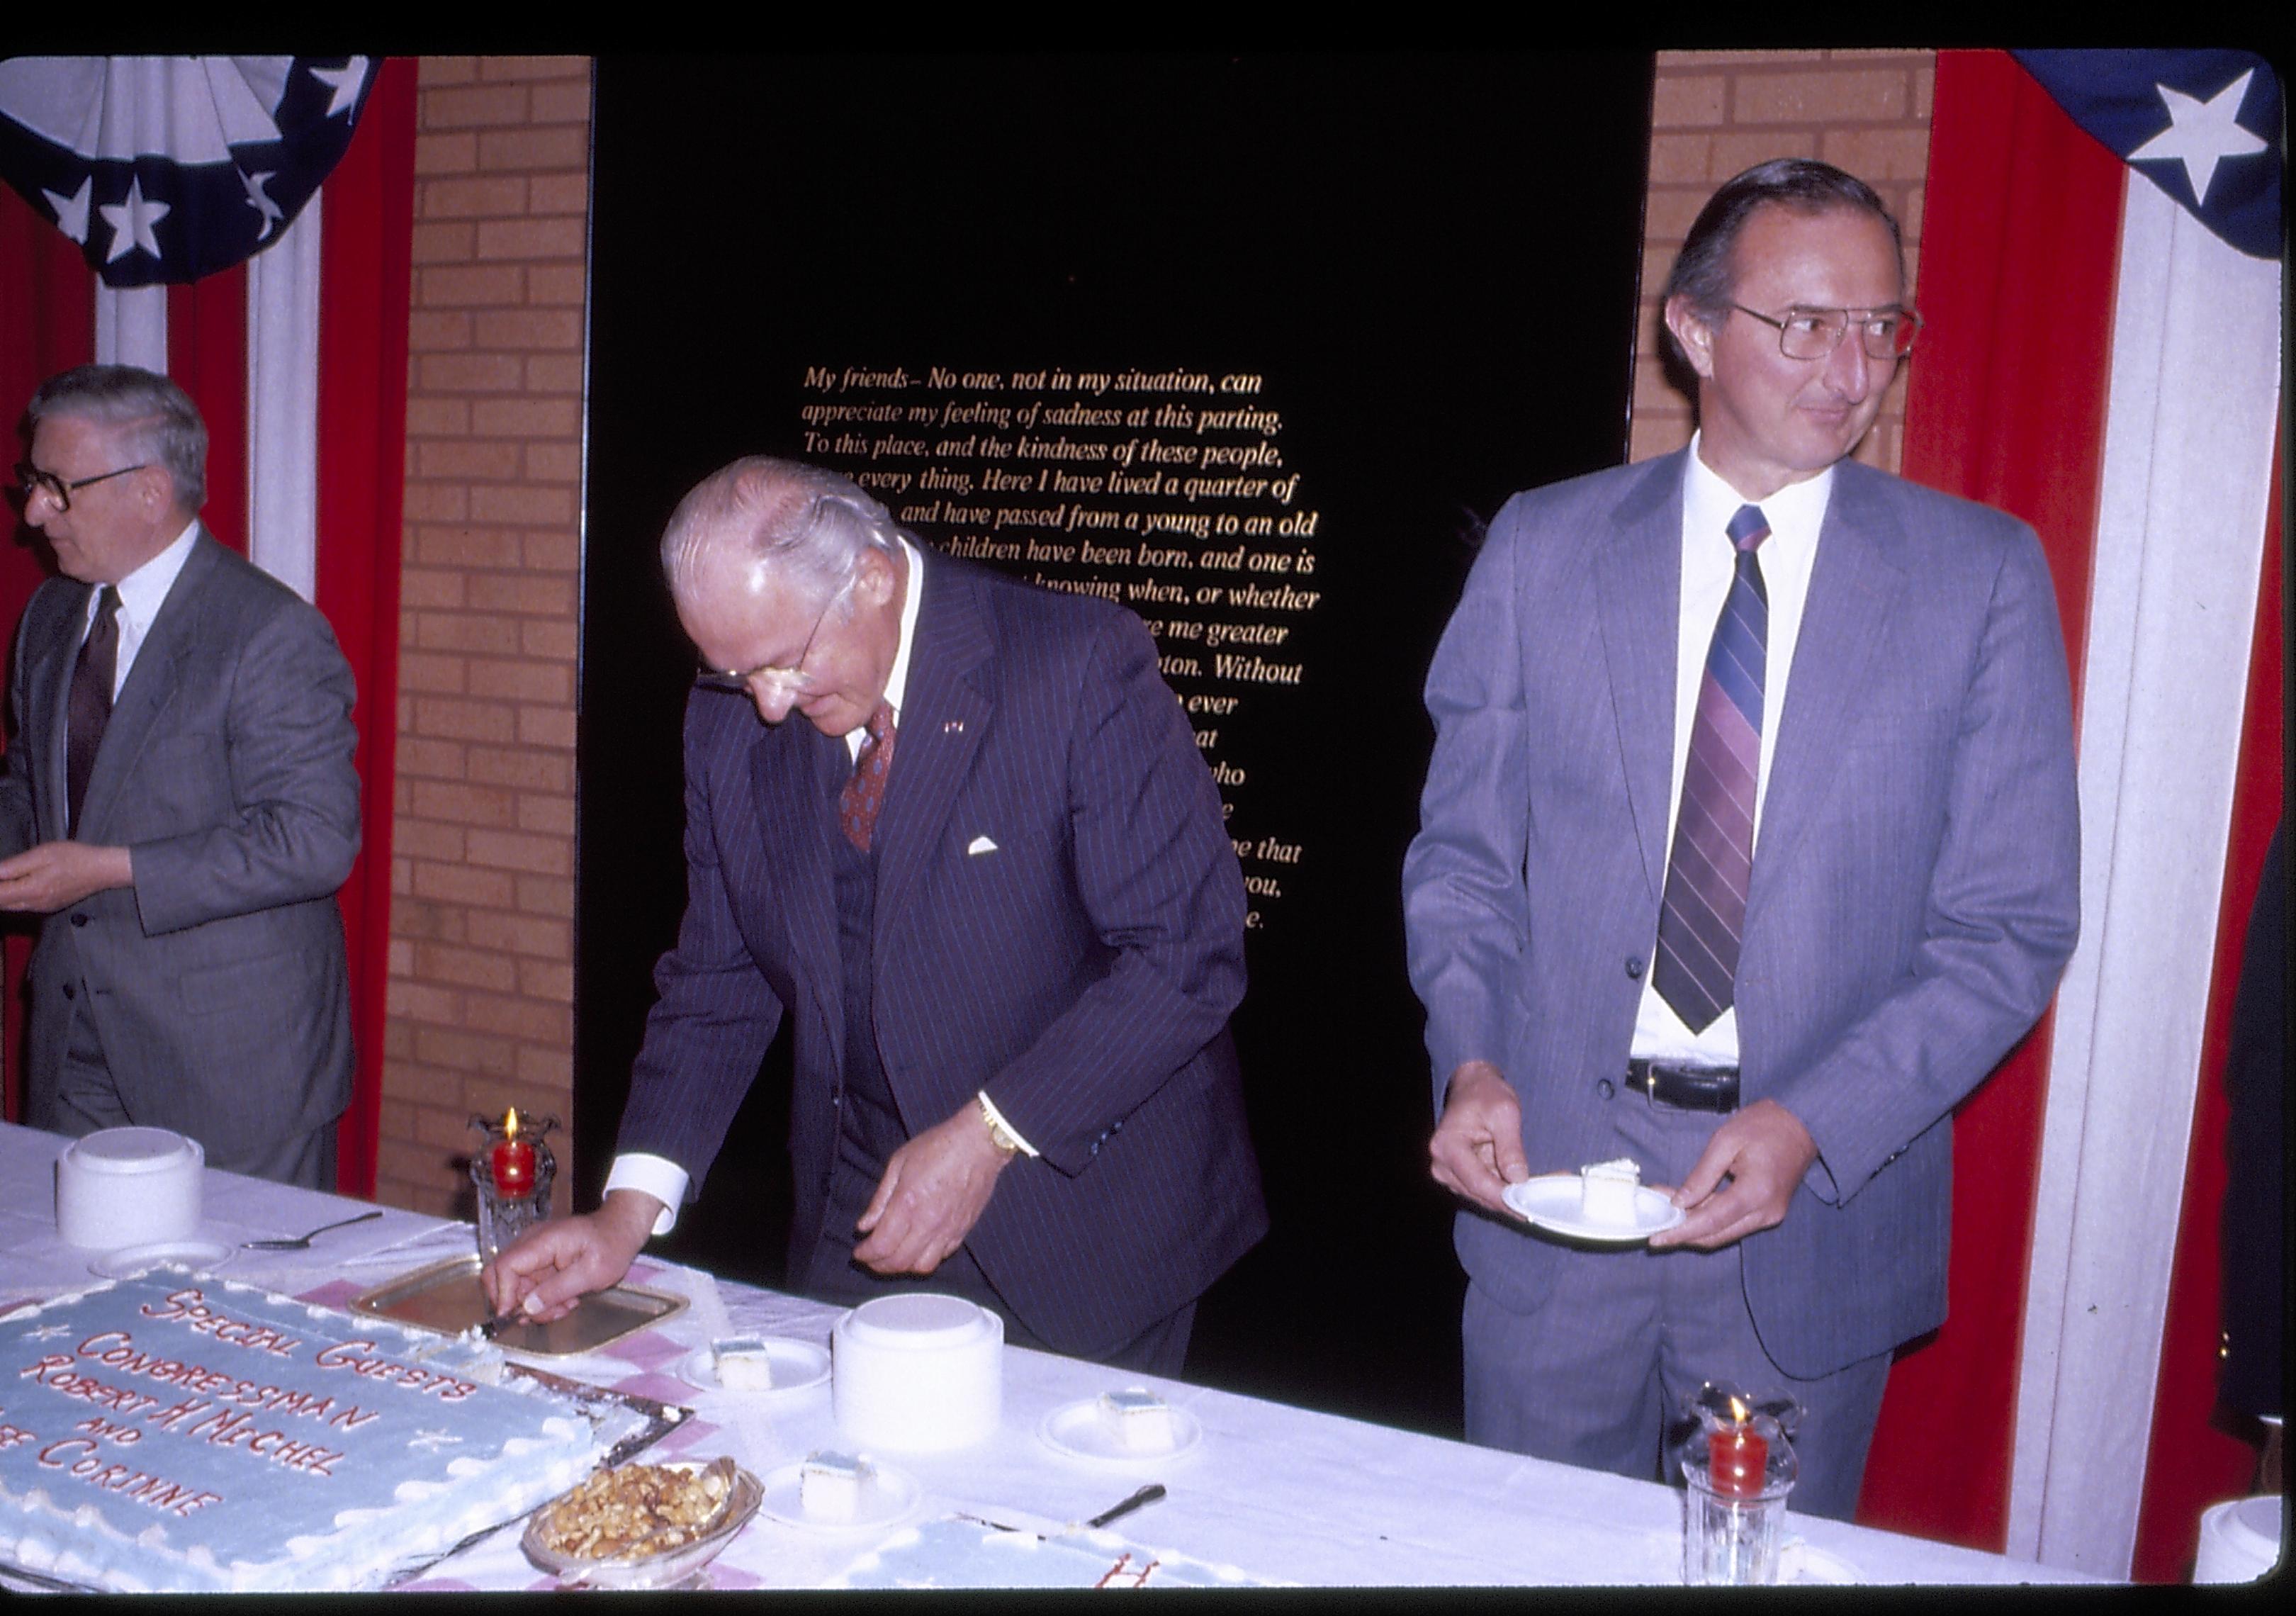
{"x": 658, "y": 1176}
{"x": 1011, "y": 1133}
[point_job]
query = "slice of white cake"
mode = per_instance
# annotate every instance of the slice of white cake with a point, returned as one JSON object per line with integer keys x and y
{"x": 742, "y": 1363}
{"x": 1606, "y": 1191}
{"x": 1136, "y": 1419}
{"x": 830, "y": 1485}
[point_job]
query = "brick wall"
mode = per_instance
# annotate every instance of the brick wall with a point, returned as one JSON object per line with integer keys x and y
{"x": 1716, "y": 112}
{"x": 480, "y": 1012}
{"x": 481, "y": 959}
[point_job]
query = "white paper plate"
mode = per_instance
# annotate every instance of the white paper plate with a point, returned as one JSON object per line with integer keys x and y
{"x": 797, "y": 1365}
{"x": 1074, "y": 1430}
{"x": 1799, "y": 1563}
{"x": 1551, "y": 1200}
{"x": 889, "y": 1495}
{"x": 197, "y": 1254}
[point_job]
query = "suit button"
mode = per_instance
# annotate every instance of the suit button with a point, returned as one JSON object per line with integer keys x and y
{"x": 1605, "y": 1087}
{"x": 1634, "y": 967}
{"x": 71, "y": 992}
{"x": 79, "y": 920}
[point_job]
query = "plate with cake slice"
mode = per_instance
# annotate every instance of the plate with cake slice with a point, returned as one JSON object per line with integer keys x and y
{"x": 1603, "y": 1202}
{"x": 1126, "y": 1426}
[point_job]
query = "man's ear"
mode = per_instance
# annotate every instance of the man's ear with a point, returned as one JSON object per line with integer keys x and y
{"x": 877, "y": 576}
{"x": 1690, "y": 330}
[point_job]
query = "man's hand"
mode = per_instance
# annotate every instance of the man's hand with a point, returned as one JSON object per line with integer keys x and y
{"x": 1477, "y": 1150}
{"x": 1764, "y": 1150}
{"x": 558, "y": 1263}
{"x": 934, "y": 1190}
{"x": 57, "y": 874}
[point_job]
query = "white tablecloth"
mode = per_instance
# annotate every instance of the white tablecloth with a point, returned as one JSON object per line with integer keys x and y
{"x": 1282, "y": 1493}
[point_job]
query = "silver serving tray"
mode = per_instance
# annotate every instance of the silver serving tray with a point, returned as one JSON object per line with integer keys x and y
{"x": 447, "y": 1297}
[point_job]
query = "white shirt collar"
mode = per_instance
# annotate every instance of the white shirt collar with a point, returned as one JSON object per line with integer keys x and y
{"x": 142, "y": 592}
{"x": 1795, "y": 512}
{"x": 896, "y": 682}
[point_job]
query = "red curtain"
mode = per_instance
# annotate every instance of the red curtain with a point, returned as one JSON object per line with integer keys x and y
{"x": 367, "y": 249}
{"x": 2022, "y": 217}
{"x": 48, "y": 324}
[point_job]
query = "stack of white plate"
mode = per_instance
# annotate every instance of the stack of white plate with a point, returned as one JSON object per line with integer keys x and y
{"x": 918, "y": 1371}
{"x": 129, "y": 1187}
{"x": 2239, "y": 1541}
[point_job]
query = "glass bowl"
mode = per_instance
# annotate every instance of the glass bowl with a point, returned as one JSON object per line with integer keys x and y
{"x": 660, "y": 1570}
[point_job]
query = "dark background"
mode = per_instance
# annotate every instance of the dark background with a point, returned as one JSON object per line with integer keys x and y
{"x": 1433, "y": 261}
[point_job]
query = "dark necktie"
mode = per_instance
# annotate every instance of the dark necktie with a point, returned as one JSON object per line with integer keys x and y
{"x": 1713, "y": 856}
{"x": 865, "y": 792}
{"x": 90, "y": 707}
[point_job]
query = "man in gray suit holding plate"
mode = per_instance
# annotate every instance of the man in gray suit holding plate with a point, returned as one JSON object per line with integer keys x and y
{"x": 178, "y": 802}
{"x": 1748, "y": 848}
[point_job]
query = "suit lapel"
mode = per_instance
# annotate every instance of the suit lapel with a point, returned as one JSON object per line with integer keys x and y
{"x": 48, "y": 691}
{"x": 791, "y": 769}
{"x": 943, "y": 713}
{"x": 1853, "y": 592}
{"x": 152, "y": 683}
{"x": 1638, "y": 587}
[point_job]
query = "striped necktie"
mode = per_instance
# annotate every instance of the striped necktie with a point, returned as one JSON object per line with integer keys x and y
{"x": 1706, "y": 873}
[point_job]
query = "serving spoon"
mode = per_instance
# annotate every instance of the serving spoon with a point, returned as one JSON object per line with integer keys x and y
{"x": 303, "y": 1243}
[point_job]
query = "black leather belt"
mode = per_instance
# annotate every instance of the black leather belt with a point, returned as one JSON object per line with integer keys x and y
{"x": 1689, "y": 1087}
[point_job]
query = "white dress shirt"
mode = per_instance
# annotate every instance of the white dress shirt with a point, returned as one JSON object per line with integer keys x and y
{"x": 1795, "y": 514}
{"x": 142, "y": 594}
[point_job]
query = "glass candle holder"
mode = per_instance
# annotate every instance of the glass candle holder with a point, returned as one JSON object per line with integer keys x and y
{"x": 1740, "y": 1466}
{"x": 511, "y": 1176}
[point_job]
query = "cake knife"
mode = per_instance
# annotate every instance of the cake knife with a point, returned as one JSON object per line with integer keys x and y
{"x": 1139, "y": 1500}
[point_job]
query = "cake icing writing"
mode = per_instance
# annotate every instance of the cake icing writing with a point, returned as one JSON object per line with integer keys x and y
{"x": 173, "y": 1433}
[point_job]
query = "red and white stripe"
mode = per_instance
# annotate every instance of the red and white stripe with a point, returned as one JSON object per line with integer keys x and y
{"x": 2100, "y": 363}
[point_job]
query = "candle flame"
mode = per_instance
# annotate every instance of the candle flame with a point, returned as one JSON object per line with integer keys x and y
{"x": 1739, "y": 1411}
{"x": 510, "y": 1131}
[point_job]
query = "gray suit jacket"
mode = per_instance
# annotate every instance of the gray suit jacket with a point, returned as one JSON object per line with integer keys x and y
{"x": 217, "y": 982}
{"x": 1914, "y": 894}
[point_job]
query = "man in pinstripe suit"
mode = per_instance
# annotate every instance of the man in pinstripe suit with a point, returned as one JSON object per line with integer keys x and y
{"x": 987, "y": 884}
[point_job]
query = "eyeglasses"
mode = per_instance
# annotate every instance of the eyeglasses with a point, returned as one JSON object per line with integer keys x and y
{"x": 791, "y": 680}
{"x": 30, "y": 481}
{"x": 1814, "y": 333}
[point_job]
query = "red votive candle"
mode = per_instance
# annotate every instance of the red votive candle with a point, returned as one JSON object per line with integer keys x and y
{"x": 1735, "y": 1459}
{"x": 513, "y": 1161}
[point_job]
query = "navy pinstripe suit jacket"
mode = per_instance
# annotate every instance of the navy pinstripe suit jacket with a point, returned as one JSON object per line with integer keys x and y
{"x": 1081, "y": 970}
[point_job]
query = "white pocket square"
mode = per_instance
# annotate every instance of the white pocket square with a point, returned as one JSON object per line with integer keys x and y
{"x": 979, "y": 845}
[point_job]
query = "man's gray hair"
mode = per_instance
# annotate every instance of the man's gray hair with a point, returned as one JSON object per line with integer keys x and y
{"x": 800, "y": 521}
{"x": 156, "y": 421}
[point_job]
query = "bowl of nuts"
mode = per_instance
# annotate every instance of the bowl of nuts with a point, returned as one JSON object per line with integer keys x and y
{"x": 641, "y": 1526}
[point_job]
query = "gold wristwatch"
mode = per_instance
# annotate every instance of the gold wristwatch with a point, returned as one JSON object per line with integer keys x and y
{"x": 999, "y": 1134}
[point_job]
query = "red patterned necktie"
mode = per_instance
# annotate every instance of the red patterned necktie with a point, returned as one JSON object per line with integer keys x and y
{"x": 865, "y": 792}
{"x": 1713, "y": 858}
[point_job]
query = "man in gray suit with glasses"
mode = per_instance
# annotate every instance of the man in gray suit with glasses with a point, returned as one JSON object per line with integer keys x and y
{"x": 178, "y": 802}
{"x": 1748, "y": 848}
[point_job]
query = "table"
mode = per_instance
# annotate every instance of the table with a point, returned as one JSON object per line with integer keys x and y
{"x": 1286, "y": 1494}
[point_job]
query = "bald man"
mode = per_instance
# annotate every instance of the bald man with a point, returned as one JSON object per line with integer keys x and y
{"x": 954, "y": 831}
